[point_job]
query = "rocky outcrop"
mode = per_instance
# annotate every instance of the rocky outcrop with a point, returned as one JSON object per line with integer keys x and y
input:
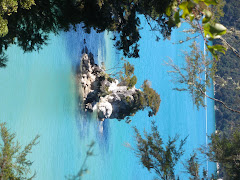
{"x": 104, "y": 94}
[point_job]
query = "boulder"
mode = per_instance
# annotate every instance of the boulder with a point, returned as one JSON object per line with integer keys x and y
{"x": 108, "y": 96}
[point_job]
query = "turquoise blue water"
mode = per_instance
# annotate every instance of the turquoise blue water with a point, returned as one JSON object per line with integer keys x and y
{"x": 39, "y": 96}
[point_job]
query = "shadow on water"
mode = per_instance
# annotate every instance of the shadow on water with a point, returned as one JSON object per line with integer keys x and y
{"x": 77, "y": 40}
{"x": 103, "y": 136}
{"x": 77, "y": 43}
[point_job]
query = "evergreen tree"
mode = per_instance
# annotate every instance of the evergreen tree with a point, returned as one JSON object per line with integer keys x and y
{"x": 151, "y": 98}
{"x": 162, "y": 157}
{"x": 13, "y": 158}
{"x": 29, "y": 27}
{"x": 157, "y": 156}
{"x": 225, "y": 149}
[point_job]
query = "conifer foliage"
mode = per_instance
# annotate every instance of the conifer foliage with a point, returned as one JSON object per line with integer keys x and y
{"x": 13, "y": 158}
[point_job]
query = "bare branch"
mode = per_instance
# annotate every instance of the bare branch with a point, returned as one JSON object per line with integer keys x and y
{"x": 232, "y": 48}
{"x": 217, "y": 100}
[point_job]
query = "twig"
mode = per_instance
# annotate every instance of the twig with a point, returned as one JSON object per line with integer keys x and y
{"x": 232, "y": 48}
{"x": 175, "y": 67}
{"x": 188, "y": 39}
{"x": 217, "y": 100}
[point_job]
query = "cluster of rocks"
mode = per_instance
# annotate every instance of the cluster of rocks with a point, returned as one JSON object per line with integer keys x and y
{"x": 105, "y": 95}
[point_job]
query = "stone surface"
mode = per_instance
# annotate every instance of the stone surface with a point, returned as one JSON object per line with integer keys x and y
{"x": 108, "y": 98}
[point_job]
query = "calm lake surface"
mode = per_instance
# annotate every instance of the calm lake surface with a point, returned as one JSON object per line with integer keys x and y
{"x": 39, "y": 96}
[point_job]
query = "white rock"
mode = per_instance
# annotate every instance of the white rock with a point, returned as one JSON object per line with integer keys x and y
{"x": 104, "y": 109}
{"x": 108, "y": 106}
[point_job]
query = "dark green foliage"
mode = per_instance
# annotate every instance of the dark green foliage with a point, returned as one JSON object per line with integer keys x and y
{"x": 157, "y": 156}
{"x": 231, "y": 14}
{"x": 152, "y": 98}
{"x": 128, "y": 79}
{"x": 192, "y": 167}
{"x": 228, "y": 74}
{"x": 3, "y": 60}
{"x": 13, "y": 158}
{"x": 139, "y": 99}
{"x": 225, "y": 149}
{"x": 29, "y": 28}
{"x": 227, "y": 88}
{"x": 162, "y": 157}
{"x": 7, "y": 8}
{"x": 128, "y": 69}
{"x": 132, "y": 82}
{"x": 148, "y": 98}
{"x": 228, "y": 92}
{"x": 218, "y": 11}
{"x": 121, "y": 17}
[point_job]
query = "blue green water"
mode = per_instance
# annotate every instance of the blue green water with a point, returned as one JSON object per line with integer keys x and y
{"x": 39, "y": 96}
